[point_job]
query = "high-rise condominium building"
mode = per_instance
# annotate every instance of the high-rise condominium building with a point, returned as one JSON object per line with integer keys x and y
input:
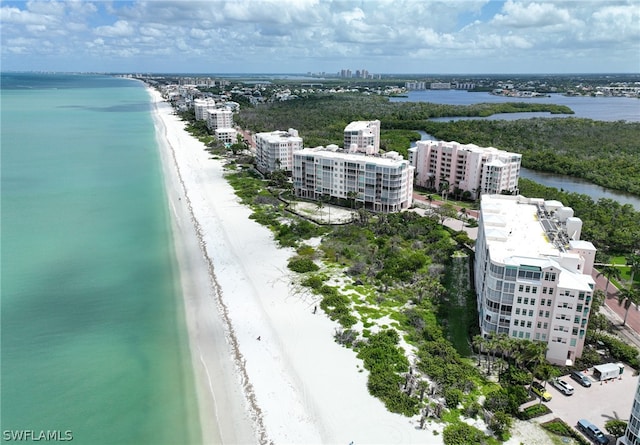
{"x": 470, "y": 168}
{"x": 533, "y": 274}
{"x": 218, "y": 118}
{"x": 632, "y": 434}
{"x": 379, "y": 183}
{"x": 274, "y": 150}
{"x": 362, "y": 136}
{"x": 200, "y": 107}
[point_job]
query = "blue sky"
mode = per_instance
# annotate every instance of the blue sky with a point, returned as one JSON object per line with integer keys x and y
{"x": 299, "y": 36}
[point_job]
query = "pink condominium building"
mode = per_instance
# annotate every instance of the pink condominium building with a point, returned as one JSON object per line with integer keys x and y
{"x": 533, "y": 274}
{"x": 477, "y": 170}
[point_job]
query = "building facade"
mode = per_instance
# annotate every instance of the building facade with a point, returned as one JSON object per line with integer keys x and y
{"x": 533, "y": 274}
{"x": 218, "y": 118}
{"x": 200, "y": 106}
{"x": 274, "y": 150}
{"x": 477, "y": 170}
{"x": 226, "y": 135}
{"x": 378, "y": 183}
{"x": 632, "y": 433}
{"x": 362, "y": 136}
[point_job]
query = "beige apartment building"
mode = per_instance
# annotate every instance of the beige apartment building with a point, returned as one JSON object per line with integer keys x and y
{"x": 274, "y": 150}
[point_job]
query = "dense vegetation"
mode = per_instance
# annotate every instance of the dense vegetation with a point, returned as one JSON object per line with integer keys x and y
{"x": 605, "y": 153}
{"x": 609, "y": 225}
{"x": 321, "y": 119}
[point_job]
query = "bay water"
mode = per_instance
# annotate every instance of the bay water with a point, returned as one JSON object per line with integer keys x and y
{"x": 93, "y": 339}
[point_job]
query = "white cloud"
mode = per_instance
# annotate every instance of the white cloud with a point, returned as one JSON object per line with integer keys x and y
{"x": 380, "y": 35}
{"x": 121, "y": 28}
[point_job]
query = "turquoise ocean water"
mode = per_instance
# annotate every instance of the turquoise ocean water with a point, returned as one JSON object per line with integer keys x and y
{"x": 92, "y": 326}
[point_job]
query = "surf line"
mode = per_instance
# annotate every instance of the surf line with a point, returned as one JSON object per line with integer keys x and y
{"x": 255, "y": 411}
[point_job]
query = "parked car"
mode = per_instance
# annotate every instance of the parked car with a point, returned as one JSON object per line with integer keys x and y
{"x": 538, "y": 389}
{"x": 562, "y": 386}
{"x": 581, "y": 378}
{"x": 592, "y": 432}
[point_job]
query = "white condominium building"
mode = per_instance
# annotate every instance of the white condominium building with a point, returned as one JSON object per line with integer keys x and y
{"x": 632, "y": 434}
{"x": 226, "y": 135}
{"x": 218, "y": 118}
{"x": 274, "y": 150}
{"x": 470, "y": 168}
{"x": 533, "y": 274}
{"x": 379, "y": 183}
{"x": 362, "y": 136}
{"x": 201, "y": 105}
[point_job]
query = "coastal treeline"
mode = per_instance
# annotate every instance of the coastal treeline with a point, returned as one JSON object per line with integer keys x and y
{"x": 604, "y": 153}
{"x": 321, "y": 118}
{"x": 612, "y": 227}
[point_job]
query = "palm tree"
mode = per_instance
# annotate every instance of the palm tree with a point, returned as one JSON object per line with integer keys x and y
{"x": 463, "y": 216}
{"x": 627, "y": 297}
{"x": 633, "y": 261}
{"x": 352, "y": 197}
{"x": 609, "y": 271}
{"x": 478, "y": 344}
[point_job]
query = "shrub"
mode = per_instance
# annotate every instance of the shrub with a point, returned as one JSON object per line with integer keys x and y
{"x": 462, "y": 434}
{"x": 302, "y": 265}
{"x": 533, "y": 411}
{"x": 314, "y": 282}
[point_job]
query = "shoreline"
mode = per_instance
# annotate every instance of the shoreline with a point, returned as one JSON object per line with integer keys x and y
{"x": 295, "y": 384}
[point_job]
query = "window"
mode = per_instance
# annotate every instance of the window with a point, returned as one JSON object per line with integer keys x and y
{"x": 521, "y": 288}
{"x": 514, "y": 334}
{"x": 534, "y": 290}
{"x": 539, "y": 325}
{"x": 527, "y": 289}
{"x": 520, "y": 300}
{"x": 550, "y": 291}
{"x": 528, "y": 324}
{"x": 520, "y": 334}
{"x": 526, "y": 301}
{"x": 540, "y": 313}
{"x": 530, "y": 312}
{"x": 549, "y": 302}
{"x": 522, "y": 323}
{"x": 546, "y": 314}
{"x": 527, "y": 335}
{"x": 533, "y": 302}
{"x": 544, "y": 290}
{"x": 517, "y": 311}
{"x": 537, "y": 335}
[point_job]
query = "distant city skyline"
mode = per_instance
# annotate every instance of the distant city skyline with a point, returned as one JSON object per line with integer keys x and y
{"x": 301, "y": 36}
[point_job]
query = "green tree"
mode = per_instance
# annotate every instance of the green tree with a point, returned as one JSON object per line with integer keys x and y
{"x": 633, "y": 261}
{"x": 626, "y": 297}
{"x": 500, "y": 424}
{"x": 610, "y": 272}
{"x": 616, "y": 427}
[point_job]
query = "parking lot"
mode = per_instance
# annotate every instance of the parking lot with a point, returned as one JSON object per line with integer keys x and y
{"x": 601, "y": 402}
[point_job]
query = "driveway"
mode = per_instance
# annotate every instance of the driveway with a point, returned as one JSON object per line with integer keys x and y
{"x": 599, "y": 403}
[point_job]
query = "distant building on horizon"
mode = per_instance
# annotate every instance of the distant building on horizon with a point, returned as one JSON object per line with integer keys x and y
{"x": 533, "y": 274}
{"x": 473, "y": 169}
{"x": 378, "y": 183}
{"x": 274, "y": 150}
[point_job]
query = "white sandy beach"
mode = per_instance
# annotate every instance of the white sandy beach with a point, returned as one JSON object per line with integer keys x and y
{"x": 294, "y": 385}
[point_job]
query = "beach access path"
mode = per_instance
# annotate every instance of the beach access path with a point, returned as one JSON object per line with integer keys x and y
{"x": 267, "y": 369}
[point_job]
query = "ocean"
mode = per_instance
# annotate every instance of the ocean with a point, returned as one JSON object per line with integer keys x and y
{"x": 93, "y": 338}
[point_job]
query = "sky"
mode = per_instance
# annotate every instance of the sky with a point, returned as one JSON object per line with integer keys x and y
{"x": 301, "y": 36}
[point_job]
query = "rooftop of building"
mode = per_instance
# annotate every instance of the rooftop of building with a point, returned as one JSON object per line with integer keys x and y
{"x": 391, "y": 159}
{"x": 360, "y": 125}
{"x": 467, "y": 147}
{"x": 278, "y": 135}
{"x": 521, "y": 230}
